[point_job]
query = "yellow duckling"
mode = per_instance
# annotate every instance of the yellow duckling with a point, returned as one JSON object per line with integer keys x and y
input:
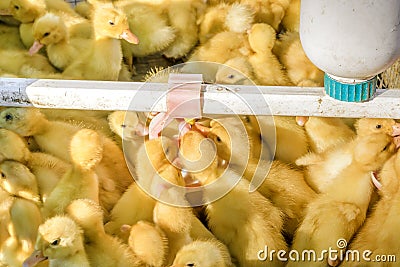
{"x": 205, "y": 253}
{"x": 54, "y": 137}
{"x": 149, "y": 243}
{"x": 291, "y": 20}
{"x": 103, "y": 60}
{"x": 300, "y": 70}
{"x": 268, "y": 11}
{"x": 10, "y": 37}
{"x": 244, "y": 221}
{"x": 267, "y": 68}
{"x": 21, "y": 64}
{"x": 322, "y": 168}
{"x": 224, "y": 17}
{"x": 338, "y": 213}
{"x": 102, "y": 250}
{"x": 50, "y": 30}
{"x": 378, "y": 232}
{"x": 60, "y": 241}
{"x": 237, "y": 71}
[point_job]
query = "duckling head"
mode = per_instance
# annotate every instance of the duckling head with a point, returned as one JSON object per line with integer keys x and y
{"x": 23, "y": 121}
{"x": 16, "y": 179}
{"x": 27, "y": 11}
{"x": 48, "y": 29}
{"x": 203, "y": 254}
{"x": 371, "y": 152}
{"x": 110, "y": 22}
{"x": 237, "y": 71}
{"x": 262, "y": 37}
{"x": 59, "y": 238}
{"x": 369, "y": 126}
{"x": 13, "y": 147}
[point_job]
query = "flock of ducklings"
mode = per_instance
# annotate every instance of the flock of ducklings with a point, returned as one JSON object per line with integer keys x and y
{"x": 69, "y": 198}
{"x": 100, "y": 39}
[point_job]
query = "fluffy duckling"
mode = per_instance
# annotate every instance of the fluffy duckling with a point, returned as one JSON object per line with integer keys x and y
{"x": 60, "y": 241}
{"x": 291, "y": 20}
{"x": 252, "y": 222}
{"x": 268, "y": 11}
{"x": 23, "y": 201}
{"x": 101, "y": 249}
{"x": 343, "y": 208}
{"x": 322, "y": 168}
{"x": 205, "y": 253}
{"x": 81, "y": 180}
{"x": 266, "y": 65}
{"x": 183, "y": 18}
{"x": 284, "y": 185}
{"x": 224, "y": 17}
{"x": 50, "y": 30}
{"x": 236, "y": 71}
{"x": 21, "y": 64}
{"x": 300, "y": 70}
{"x": 324, "y": 133}
{"x": 150, "y": 24}
{"x": 378, "y": 232}
{"x": 149, "y": 243}
{"x": 103, "y": 59}
{"x": 47, "y": 169}
{"x": 54, "y": 137}
{"x": 152, "y": 156}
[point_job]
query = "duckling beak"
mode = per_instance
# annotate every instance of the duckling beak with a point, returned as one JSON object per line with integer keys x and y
{"x": 5, "y": 12}
{"x": 35, "y": 47}
{"x": 36, "y": 257}
{"x": 128, "y": 36}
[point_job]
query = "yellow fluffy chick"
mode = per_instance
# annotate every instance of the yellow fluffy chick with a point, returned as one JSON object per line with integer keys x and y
{"x": 244, "y": 221}
{"x": 205, "y": 253}
{"x": 378, "y": 233}
{"x": 151, "y": 156}
{"x": 300, "y": 70}
{"x": 322, "y": 168}
{"x": 21, "y": 64}
{"x": 183, "y": 18}
{"x": 20, "y": 184}
{"x": 103, "y": 59}
{"x": 224, "y": 17}
{"x": 268, "y": 11}
{"x": 50, "y": 30}
{"x": 81, "y": 180}
{"x": 236, "y": 71}
{"x": 150, "y": 24}
{"x": 267, "y": 68}
{"x": 149, "y": 243}
{"x": 47, "y": 169}
{"x": 324, "y": 133}
{"x": 102, "y": 249}
{"x": 291, "y": 20}
{"x": 338, "y": 213}
{"x": 54, "y": 137}
{"x": 60, "y": 241}
{"x": 284, "y": 185}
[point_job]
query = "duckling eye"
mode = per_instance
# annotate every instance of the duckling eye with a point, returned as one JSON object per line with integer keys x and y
{"x": 247, "y": 119}
{"x": 56, "y": 242}
{"x": 386, "y": 147}
{"x": 378, "y": 126}
{"x": 123, "y": 126}
{"x": 190, "y": 265}
{"x": 111, "y": 22}
{"x": 16, "y": 7}
{"x": 8, "y": 117}
{"x": 3, "y": 176}
{"x": 46, "y": 34}
{"x": 167, "y": 151}
{"x": 218, "y": 139}
{"x": 231, "y": 76}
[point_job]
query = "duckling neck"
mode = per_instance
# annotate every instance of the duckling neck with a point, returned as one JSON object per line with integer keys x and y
{"x": 79, "y": 259}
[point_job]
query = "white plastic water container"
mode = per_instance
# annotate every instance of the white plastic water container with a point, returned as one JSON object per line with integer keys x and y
{"x": 351, "y": 41}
